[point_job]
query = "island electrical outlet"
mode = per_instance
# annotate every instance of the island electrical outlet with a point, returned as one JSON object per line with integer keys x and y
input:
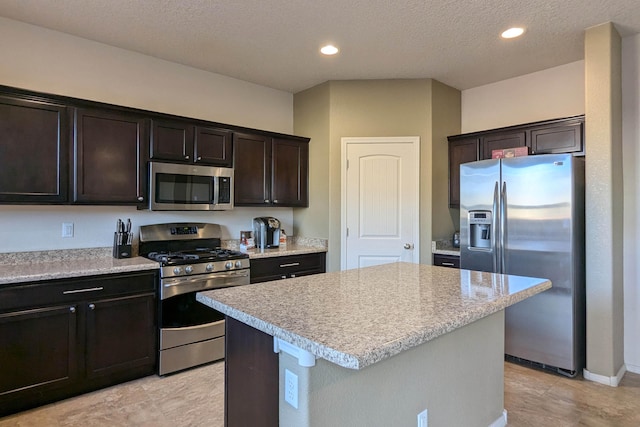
{"x": 291, "y": 388}
{"x": 67, "y": 229}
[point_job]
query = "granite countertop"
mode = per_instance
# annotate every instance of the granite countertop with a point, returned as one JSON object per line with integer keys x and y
{"x": 19, "y": 267}
{"x": 295, "y": 246}
{"x": 444, "y": 247}
{"x": 355, "y": 318}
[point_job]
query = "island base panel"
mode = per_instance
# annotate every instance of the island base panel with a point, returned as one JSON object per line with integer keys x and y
{"x": 251, "y": 377}
{"x": 458, "y": 377}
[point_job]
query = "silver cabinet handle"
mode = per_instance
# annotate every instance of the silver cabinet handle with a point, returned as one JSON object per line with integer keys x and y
{"x": 72, "y": 309}
{"x": 293, "y": 275}
{"x": 140, "y": 199}
{"x": 275, "y": 201}
{"x": 92, "y": 306}
{"x": 266, "y": 200}
{"x": 199, "y": 158}
{"x": 292, "y": 264}
{"x": 186, "y": 157}
{"x": 447, "y": 264}
{"x": 408, "y": 246}
{"x": 77, "y": 291}
{"x": 284, "y": 277}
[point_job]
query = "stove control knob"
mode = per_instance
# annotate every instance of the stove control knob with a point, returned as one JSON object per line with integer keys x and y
{"x": 228, "y": 265}
{"x": 238, "y": 264}
{"x": 209, "y": 267}
{"x": 188, "y": 269}
{"x": 177, "y": 270}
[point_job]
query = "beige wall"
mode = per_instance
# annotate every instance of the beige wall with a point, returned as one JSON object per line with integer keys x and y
{"x": 38, "y": 59}
{"x": 548, "y": 94}
{"x": 445, "y": 121}
{"x": 311, "y": 110}
{"x": 604, "y": 193}
{"x": 369, "y": 108}
{"x": 631, "y": 168}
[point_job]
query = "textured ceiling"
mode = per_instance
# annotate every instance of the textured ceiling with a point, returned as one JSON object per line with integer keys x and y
{"x": 275, "y": 42}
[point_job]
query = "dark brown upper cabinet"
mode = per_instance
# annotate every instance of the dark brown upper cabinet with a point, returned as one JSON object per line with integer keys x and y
{"x": 561, "y": 137}
{"x": 110, "y": 157}
{"x": 500, "y": 141}
{"x": 34, "y": 150}
{"x": 186, "y": 142}
{"x": 270, "y": 171}
{"x": 564, "y": 135}
{"x": 461, "y": 151}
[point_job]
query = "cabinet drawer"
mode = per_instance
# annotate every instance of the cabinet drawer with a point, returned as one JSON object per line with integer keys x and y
{"x": 283, "y": 267}
{"x": 451, "y": 261}
{"x": 38, "y": 294}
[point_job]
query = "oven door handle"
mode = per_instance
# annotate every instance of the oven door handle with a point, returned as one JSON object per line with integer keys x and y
{"x": 183, "y": 285}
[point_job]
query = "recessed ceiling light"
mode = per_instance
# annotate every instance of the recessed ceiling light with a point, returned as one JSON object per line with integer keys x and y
{"x": 329, "y": 49}
{"x": 512, "y": 32}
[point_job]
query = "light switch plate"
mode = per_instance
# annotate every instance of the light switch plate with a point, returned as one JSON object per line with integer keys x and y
{"x": 291, "y": 388}
{"x": 67, "y": 229}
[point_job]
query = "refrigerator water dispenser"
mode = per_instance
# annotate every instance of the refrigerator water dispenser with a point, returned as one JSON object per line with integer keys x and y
{"x": 480, "y": 229}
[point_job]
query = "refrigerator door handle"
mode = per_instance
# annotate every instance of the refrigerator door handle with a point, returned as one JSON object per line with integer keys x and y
{"x": 495, "y": 240}
{"x": 503, "y": 227}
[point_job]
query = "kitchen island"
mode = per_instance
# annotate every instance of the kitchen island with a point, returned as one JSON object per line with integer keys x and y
{"x": 377, "y": 345}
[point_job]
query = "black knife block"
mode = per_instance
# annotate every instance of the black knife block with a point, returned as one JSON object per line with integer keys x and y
{"x": 120, "y": 250}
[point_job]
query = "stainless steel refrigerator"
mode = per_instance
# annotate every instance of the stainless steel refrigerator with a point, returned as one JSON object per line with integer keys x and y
{"x": 525, "y": 216}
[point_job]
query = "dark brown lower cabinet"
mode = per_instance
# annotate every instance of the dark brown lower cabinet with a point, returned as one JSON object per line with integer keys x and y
{"x": 285, "y": 267}
{"x": 251, "y": 377}
{"x": 442, "y": 260}
{"x": 66, "y": 337}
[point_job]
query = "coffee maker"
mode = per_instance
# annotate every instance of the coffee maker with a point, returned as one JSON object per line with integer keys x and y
{"x": 266, "y": 232}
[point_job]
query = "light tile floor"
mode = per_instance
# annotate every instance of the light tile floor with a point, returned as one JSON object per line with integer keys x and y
{"x": 195, "y": 398}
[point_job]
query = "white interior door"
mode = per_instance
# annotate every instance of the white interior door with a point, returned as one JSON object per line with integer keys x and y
{"x": 380, "y": 203}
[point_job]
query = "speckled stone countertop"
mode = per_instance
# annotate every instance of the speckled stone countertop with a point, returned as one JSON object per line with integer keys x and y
{"x": 19, "y": 267}
{"x": 294, "y": 246}
{"x": 444, "y": 247}
{"x": 355, "y": 318}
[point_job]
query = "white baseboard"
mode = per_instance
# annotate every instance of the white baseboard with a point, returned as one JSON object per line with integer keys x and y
{"x": 501, "y": 421}
{"x": 602, "y": 379}
{"x": 633, "y": 368}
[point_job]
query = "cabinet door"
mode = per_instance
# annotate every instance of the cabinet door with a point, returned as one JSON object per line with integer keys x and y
{"x": 171, "y": 140}
{"x": 562, "y": 138}
{"x": 500, "y": 141}
{"x": 252, "y": 169}
{"x": 110, "y": 158}
{"x": 120, "y": 336}
{"x": 290, "y": 169}
{"x": 460, "y": 151}
{"x": 34, "y": 151}
{"x": 213, "y": 146}
{"x": 37, "y": 356}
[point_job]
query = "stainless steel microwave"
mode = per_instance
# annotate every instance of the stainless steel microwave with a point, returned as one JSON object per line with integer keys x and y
{"x": 183, "y": 187}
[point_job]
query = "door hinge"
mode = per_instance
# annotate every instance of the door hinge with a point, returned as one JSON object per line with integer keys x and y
{"x": 347, "y": 231}
{"x": 347, "y": 163}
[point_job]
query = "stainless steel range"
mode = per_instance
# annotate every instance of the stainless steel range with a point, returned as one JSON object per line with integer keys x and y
{"x": 191, "y": 260}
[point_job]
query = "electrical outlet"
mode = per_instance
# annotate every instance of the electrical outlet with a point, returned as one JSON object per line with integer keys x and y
{"x": 423, "y": 420}
{"x": 291, "y": 388}
{"x": 67, "y": 229}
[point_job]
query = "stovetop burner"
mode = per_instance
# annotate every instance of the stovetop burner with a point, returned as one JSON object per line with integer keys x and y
{"x": 195, "y": 255}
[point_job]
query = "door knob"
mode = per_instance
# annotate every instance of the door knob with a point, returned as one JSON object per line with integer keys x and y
{"x": 408, "y": 246}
